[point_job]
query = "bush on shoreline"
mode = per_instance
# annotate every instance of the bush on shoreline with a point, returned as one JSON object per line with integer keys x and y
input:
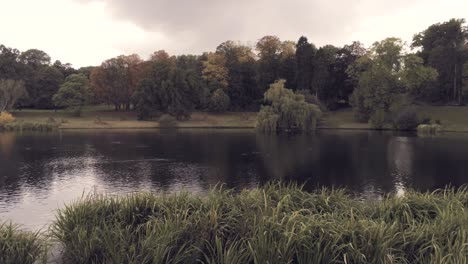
{"x": 272, "y": 224}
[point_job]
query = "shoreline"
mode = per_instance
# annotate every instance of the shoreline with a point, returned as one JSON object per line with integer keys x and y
{"x": 454, "y": 120}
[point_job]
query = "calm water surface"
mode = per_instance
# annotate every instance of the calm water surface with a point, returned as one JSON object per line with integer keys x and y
{"x": 41, "y": 172}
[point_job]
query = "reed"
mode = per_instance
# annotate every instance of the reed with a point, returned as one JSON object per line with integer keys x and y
{"x": 18, "y": 246}
{"x": 277, "y": 223}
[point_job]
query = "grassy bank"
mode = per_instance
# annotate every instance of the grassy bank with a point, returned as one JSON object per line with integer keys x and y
{"x": 103, "y": 117}
{"x": 273, "y": 224}
{"x": 453, "y": 118}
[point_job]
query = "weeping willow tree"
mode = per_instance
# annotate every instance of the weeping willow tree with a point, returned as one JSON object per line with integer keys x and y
{"x": 287, "y": 111}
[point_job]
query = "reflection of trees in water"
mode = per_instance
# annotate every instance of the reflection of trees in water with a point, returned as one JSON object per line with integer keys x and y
{"x": 22, "y": 170}
{"x": 168, "y": 160}
{"x": 284, "y": 155}
{"x": 352, "y": 159}
{"x": 440, "y": 161}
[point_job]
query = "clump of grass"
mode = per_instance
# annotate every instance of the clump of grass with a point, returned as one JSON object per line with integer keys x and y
{"x": 429, "y": 129}
{"x": 18, "y": 246}
{"x": 30, "y": 126}
{"x": 277, "y": 223}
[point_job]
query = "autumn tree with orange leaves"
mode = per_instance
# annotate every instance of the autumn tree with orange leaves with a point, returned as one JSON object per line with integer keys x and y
{"x": 116, "y": 80}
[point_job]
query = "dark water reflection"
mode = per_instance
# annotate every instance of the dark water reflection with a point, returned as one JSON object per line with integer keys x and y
{"x": 40, "y": 172}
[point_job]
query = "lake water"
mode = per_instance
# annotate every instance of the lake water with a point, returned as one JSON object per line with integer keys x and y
{"x": 40, "y": 172}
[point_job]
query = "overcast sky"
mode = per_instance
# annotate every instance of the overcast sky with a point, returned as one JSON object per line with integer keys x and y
{"x": 86, "y": 32}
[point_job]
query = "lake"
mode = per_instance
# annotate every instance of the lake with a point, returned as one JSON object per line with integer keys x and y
{"x": 40, "y": 172}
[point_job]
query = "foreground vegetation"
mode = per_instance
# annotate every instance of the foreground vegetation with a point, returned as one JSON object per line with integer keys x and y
{"x": 17, "y": 246}
{"x": 273, "y": 224}
{"x": 276, "y": 223}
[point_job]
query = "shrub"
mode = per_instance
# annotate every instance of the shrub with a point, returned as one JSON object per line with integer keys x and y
{"x": 219, "y": 101}
{"x": 6, "y": 118}
{"x": 312, "y": 99}
{"x": 276, "y": 223}
{"x": 431, "y": 129}
{"x": 406, "y": 119}
{"x": 167, "y": 121}
{"x": 425, "y": 120}
{"x": 378, "y": 119}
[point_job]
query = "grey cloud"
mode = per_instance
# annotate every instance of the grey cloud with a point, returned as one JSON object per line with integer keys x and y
{"x": 200, "y": 25}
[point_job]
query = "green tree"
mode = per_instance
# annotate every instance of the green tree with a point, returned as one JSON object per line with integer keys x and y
{"x": 215, "y": 71}
{"x": 268, "y": 64}
{"x": 376, "y": 92}
{"x": 417, "y": 78}
{"x": 378, "y": 82}
{"x": 66, "y": 69}
{"x": 288, "y": 65}
{"x": 180, "y": 95}
{"x": 305, "y": 56}
{"x": 73, "y": 93}
{"x": 151, "y": 96}
{"x": 42, "y": 80}
{"x": 193, "y": 66}
{"x": 287, "y": 111}
{"x": 323, "y": 80}
{"x": 47, "y": 84}
{"x": 240, "y": 62}
{"x": 219, "y": 101}
{"x": 442, "y": 47}
{"x": 10, "y": 67}
{"x": 344, "y": 83}
{"x": 34, "y": 58}
{"x": 465, "y": 78}
{"x": 168, "y": 87}
{"x": 388, "y": 53}
{"x": 86, "y": 71}
{"x": 386, "y": 78}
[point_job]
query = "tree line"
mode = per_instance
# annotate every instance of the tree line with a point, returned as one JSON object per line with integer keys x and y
{"x": 235, "y": 77}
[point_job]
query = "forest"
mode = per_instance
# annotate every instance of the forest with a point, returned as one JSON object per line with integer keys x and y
{"x": 381, "y": 82}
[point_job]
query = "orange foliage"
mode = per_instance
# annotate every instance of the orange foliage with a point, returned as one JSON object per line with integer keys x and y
{"x": 115, "y": 81}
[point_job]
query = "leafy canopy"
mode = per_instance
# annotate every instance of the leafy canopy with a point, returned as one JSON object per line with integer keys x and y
{"x": 73, "y": 93}
{"x": 288, "y": 111}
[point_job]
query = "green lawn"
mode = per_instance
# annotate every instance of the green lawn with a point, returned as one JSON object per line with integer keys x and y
{"x": 96, "y": 117}
{"x": 453, "y": 118}
{"x": 341, "y": 119}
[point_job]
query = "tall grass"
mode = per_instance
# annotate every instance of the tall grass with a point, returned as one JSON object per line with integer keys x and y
{"x": 19, "y": 126}
{"x": 274, "y": 224}
{"x": 17, "y": 246}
